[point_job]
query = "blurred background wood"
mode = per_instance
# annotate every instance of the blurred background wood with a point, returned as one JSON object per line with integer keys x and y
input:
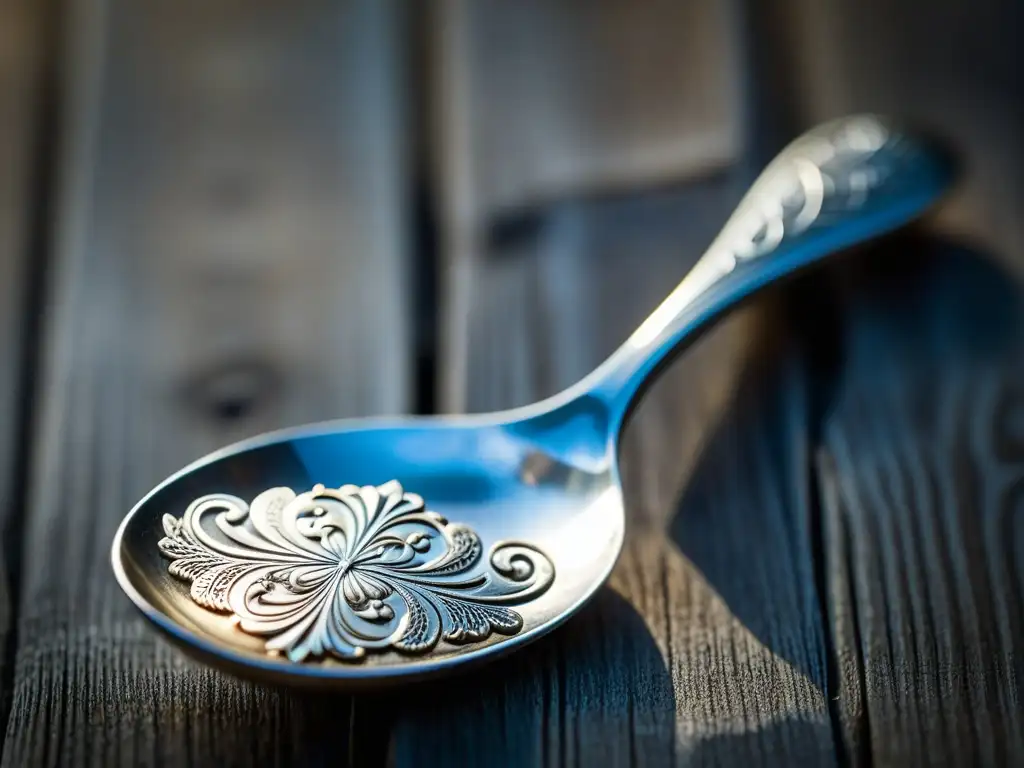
{"x": 246, "y": 206}
{"x": 539, "y": 101}
{"x": 230, "y": 259}
{"x": 23, "y": 91}
{"x": 947, "y": 64}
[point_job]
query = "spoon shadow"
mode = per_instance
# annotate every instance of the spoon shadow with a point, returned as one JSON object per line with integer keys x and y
{"x": 599, "y": 679}
{"x": 748, "y": 518}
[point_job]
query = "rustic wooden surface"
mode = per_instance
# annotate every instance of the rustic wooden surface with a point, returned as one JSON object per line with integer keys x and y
{"x": 208, "y": 281}
{"x": 22, "y": 103}
{"x": 822, "y": 559}
{"x": 920, "y": 470}
{"x": 959, "y": 75}
{"x": 537, "y": 102}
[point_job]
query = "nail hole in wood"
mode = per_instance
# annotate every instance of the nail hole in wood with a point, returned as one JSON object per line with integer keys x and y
{"x": 234, "y": 392}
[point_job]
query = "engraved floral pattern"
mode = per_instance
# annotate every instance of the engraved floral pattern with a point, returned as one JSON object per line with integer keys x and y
{"x": 349, "y": 570}
{"x": 826, "y": 172}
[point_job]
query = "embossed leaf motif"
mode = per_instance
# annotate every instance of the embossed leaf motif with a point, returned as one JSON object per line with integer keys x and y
{"x": 343, "y": 571}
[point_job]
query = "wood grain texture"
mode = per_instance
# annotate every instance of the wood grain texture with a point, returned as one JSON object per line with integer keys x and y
{"x": 230, "y": 258}
{"x": 23, "y": 50}
{"x": 565, "y": 98}
{"x": 708, "y": 648}
{"x": 229, "y": 232}
{"x": 921, "y": 471}
{"x": 918, "y": 471}
{"x": 537, "y": 102}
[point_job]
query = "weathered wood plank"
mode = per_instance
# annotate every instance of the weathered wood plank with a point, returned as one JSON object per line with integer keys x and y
{"x": 917, "y": 481}
{"x": 538, "y": 102}
{"x": 708, "y": 648}
{"x": 953, "y": 68}
{"x": 563, "y": 98}
{"x": 230, "y": 229}
{"x": 921, "y": 470}
{"x": 22, "y": 141}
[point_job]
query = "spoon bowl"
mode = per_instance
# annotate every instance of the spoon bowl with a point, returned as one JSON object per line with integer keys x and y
{"x": 374, "y": 551}
{"x": 474, "y": 471}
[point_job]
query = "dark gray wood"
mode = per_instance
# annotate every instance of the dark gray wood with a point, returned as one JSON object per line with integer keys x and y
{"x": 921, "y": 469}
{"x": 918, "y": 470}
{"x": 229, "y": 259}
{"x": 22, "y": 72}
{"x": 709, "y": 646}
{"x": 562, "y": 99}
{"x": 952, "y": 67}
{"x": 536, "y": 102}
{"x": 823, "y": 555}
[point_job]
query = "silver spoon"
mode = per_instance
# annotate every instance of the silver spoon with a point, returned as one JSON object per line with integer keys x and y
{"x": 366, "y": 551}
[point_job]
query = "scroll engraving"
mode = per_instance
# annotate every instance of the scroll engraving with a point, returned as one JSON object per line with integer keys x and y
{"x": 819, "y": 180}
{"x": 344, "y": 571}
{"x": 833, "y": 170}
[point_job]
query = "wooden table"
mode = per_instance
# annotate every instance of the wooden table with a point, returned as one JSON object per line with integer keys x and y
{"x": 208, "y": 228}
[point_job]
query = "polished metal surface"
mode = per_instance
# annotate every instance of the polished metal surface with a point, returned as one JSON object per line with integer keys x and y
{"x": 367, "y": 551}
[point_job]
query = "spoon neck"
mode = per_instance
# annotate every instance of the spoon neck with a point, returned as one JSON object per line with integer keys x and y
{"x": 620, "y": 380}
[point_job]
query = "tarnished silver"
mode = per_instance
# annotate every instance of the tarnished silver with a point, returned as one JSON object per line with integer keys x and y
{"x": 334, "y": 575}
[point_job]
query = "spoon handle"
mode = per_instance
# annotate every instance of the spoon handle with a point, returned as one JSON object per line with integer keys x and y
{"x": 838, "y": 185}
